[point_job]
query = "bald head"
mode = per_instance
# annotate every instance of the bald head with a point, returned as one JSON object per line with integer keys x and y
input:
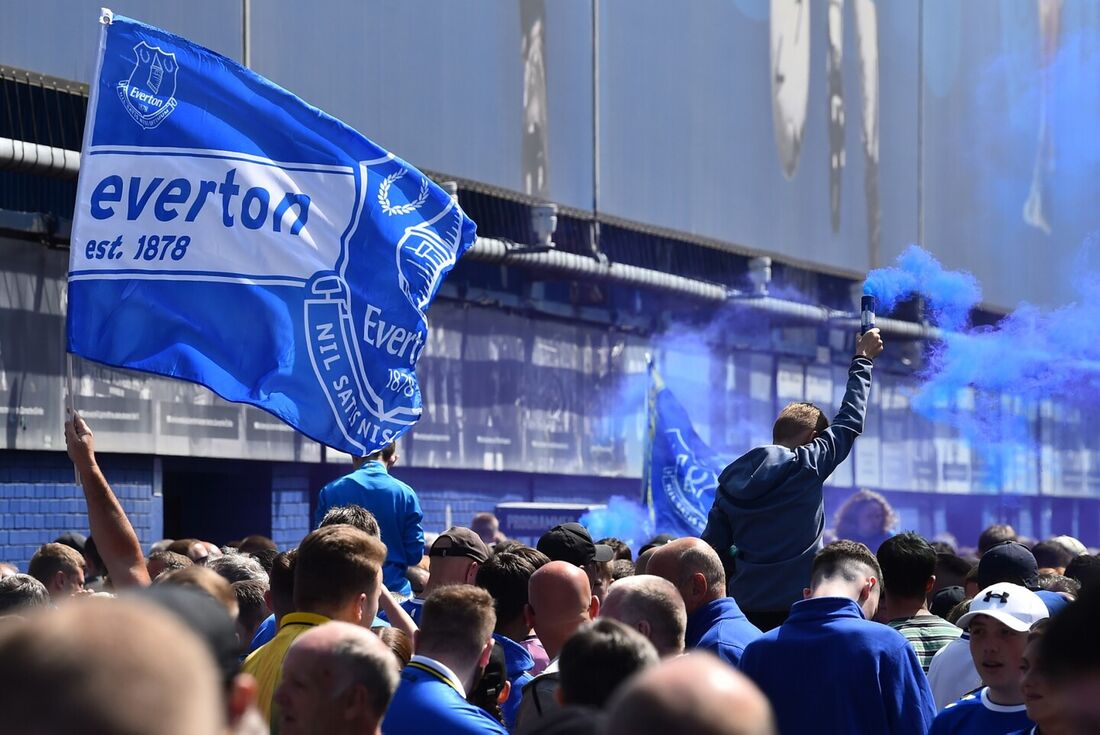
{"x": 652, "y": 606}
{"x": 108, "y": 666}
{"x": 337, "y": 678}
{"x": 693, "y": 567}
{"x": 691, "y": 695}
{"x": 560, "y": 599}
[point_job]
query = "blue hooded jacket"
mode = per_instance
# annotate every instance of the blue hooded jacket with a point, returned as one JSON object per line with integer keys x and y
{"x": 721, "y": 628}
{"x": 769, "y": 515}
{"x": 830, "y": 670}
{"x": 517, "y": 663}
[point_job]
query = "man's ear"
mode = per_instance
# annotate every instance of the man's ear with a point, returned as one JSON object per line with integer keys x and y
{"x": 486, "y": 652}
{"x": 593, "y": 608}
{"x": 806, "y": 592}
{"x": 416, "y": 640}
{"x": 505, "y": 692}
{"x": 269, "y": 601}
{"x": 644, "y": 628}
{"x": 929, "y": 585}
{"x": 242, "y": 694}
{"x": 471, "y": 572}
{"x": 699, "y": 586}
{"x": 528, "y": 615}
{"x": 57, "y": 581}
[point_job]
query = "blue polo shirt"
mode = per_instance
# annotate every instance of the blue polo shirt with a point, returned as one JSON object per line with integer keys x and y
{"x": 974, "y": 714}
{"x": 721, "y": 628}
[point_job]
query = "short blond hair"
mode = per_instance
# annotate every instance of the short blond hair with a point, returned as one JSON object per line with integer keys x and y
{"x": 795, "y": 420}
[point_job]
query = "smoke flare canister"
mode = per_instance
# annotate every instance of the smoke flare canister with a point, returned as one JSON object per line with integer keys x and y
{"x": 866, "y": 314}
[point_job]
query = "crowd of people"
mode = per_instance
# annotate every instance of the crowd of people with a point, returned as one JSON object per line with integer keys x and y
{"x": 761, "y": 626}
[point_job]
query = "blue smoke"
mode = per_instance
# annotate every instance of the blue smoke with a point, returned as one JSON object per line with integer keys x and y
{"x": 623, "y": 518}
{"x": 988, "y": 382}
{"x": 949, "y": 295}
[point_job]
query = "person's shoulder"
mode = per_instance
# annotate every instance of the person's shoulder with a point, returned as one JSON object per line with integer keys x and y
{"x": 963, "y": 706}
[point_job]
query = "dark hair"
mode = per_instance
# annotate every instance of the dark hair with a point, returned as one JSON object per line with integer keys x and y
{"x": 281, "y": 580}
{"x": 837, "y": 558}
{"x": 621, "y": 568}
{"x": 458, "y": 619}
{"x": 91, "y": 553}
{"x": 1071, "y": 647}
{"x": 352, "y": 515}
{"x": 505, "y": 576}
{"x": 942, "y": 547}
{"x": 598, "y": 658}
{"x": 1059, "y": 583}
{"x": 1086, "y": 570}
{"x": 22, "y": 590}
{"x": 486, "y": 693}
{"x": 622, "y": 551}
{"x": 334, "y": 564}
{"x": 908, "y": 562}
{"x": 398, "y": 641}
{"x": 995, "y": 534}
{"x": 846, "y": 519}
{"x": 1051, "y": 554}
{"x": 250, "y": 602}
{"x": 952, "y": 564}
{"x": 795, "y": 420}
{"x": 256, "y": 542}
{"x": 385, "y": 454}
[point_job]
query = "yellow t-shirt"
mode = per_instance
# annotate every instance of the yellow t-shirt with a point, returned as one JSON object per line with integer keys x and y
{"x": 266, "y": 662}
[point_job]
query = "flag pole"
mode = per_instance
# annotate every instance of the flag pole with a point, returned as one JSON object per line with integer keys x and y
{"x": 71, "y": 402}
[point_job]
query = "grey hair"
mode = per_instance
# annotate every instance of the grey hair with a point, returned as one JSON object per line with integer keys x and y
{"x": 238, "y": 567}
{"x": 22, "y": 591}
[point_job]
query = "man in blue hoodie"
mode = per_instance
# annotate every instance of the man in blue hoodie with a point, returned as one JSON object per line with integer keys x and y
{"x": 829, "y": 668}
{"x": 714, "y": 622}
{"x": 768, "y": 514}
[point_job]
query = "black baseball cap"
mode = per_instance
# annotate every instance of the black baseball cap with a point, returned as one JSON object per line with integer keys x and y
{"x": 459, "y": 541}
{"x": 571, "y": 542}
{"x": 1011, "y": 562}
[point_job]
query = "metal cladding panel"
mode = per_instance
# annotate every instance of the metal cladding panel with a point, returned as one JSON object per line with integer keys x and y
{"x": 60, "y": 37}
{"x": 497, "y": 92}
{"x": 710, "y": 130}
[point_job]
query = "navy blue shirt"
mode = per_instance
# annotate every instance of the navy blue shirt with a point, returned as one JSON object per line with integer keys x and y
{"x": 830, "y": 670}
{"x": 721, "y": 628}
{"x": 769, "y": 507}
{"x": 394, "y": 505}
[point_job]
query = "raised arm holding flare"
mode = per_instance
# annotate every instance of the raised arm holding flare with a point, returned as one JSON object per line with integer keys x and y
{"x": 768, "y": 515}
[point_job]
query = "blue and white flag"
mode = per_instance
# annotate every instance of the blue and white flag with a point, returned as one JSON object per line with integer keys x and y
{"x": 681, "y": 474}
{"x": 230, "y": 234}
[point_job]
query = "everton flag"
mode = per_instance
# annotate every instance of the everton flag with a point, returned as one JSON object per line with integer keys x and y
{"x": 681, "y": 470}
{"x": 230, "y": 234}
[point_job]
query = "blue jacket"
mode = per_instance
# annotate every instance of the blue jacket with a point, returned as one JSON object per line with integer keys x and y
{"x": 517, "y": 663}
{"x": 425, "y": 703}
{"x": 394, "y": 505}
{"x": 721, "y": 628}
{"x": 768, "y": 513}
{"x": 829, "y": 670}
{"x": 976, "y": 714}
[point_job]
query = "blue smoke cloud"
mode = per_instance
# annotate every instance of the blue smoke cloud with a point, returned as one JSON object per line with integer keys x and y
{"x": 949, "y": 295}
{"x": 987, "y": 382}
{"x": 623, "y": 518}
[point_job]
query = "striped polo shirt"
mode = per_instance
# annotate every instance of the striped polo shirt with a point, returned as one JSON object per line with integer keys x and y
{"x": 927, "y": 634}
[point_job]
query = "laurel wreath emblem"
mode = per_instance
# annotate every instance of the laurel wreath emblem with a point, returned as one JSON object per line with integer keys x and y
{"x": 384, "y": 195}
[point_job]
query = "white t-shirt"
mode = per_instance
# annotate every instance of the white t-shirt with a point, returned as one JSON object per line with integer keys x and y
{"x": 952, "y": 674}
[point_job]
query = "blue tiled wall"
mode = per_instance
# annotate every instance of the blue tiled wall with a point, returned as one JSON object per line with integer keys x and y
{"x": 290, "y": 519}
{"x": 39, "y": 500}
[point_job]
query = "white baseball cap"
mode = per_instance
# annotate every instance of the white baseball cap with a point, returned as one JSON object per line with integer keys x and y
{"x": 1017, "y": 607}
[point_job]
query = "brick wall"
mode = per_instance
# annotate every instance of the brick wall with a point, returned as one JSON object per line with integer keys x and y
{"x": 290, "y": 519}
{"x": 39, "y": 500}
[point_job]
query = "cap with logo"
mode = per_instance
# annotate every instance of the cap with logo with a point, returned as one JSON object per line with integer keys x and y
{"x": 1008, "y": 561}
{"x": 1017, "y": 607}
{"x": 570, "y": 542}
{"x": 459, "y": 541}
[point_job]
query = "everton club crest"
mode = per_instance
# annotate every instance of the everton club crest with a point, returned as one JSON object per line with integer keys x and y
{"x": 149, "y": 95}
